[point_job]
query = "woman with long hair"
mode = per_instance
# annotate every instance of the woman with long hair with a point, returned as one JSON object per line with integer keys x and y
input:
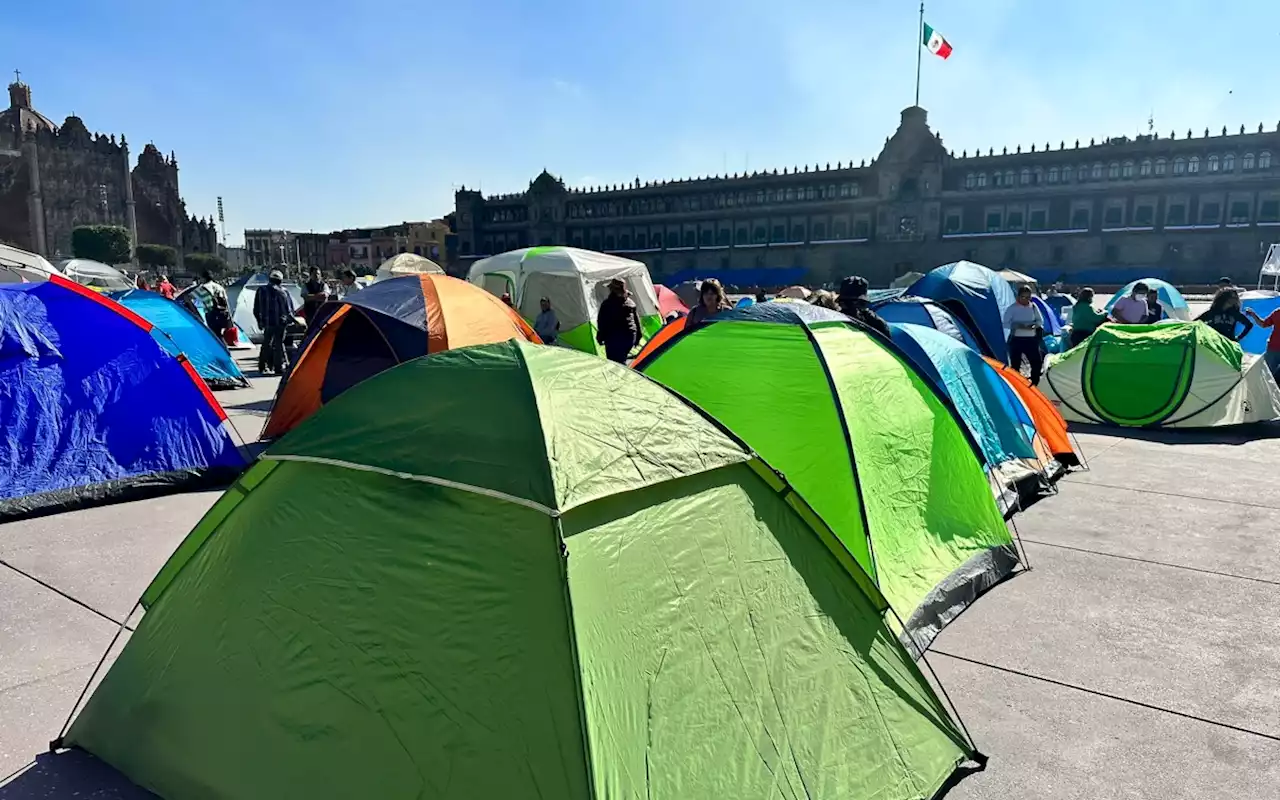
{"x": 711, "y": 301}
{"x": 1224, "y": 313}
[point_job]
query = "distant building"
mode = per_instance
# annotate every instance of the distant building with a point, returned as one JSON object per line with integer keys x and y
{"x": 1190, "y": 209}
{"x": 268, "y": 248}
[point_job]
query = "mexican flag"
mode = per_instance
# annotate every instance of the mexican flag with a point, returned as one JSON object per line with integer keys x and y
{"x": 937, "y": 45}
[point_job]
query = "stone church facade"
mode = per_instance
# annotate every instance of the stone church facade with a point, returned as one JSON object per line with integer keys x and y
{"x": 55, "y": 178}
{"x": 1186, "y": 208}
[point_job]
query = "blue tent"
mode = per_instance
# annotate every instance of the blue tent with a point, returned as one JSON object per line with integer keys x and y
{"x": 919, "y": 311}
{"x": 94, "y": 410}
{"x": 1052, "y": 320}
{"x": 1175, "y": 306}
{"x": 977, "y": 296}
{"x": 179, "y": 331}
{"x": 991, "y": 410}
{"x": 1262, "y": 303}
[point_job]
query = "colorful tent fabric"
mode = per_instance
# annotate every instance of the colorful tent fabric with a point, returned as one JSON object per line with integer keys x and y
{"x": 1175, "y": 305}
{"x": 415, "y": 594}
{"x": 997, "y": 419}
{"x": 240, "y": 300}
{"x": 1261, "y": 303}
{"x": 1050, "y": 427}
{"x": 669, "y": 302}
{"x": 977, "y": 296}
{"x": 866, "y": 441}
{"x": 919, "y": 311}
{"x": 94, "y": 409}
{"x": 180, "y": 332}
{"x": 1171, "y": 375}
{"x": 389, "y": 323}
{"x": 576, "y": 281}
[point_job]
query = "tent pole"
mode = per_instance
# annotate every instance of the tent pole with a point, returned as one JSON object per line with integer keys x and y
{"x": 56, "y": 744}
{"x": 1075, "y": 444}
{"x": 955, "y": 712}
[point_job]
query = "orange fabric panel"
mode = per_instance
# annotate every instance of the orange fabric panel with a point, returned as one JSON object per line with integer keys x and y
{"x": 468, "y": 315}
{"x": 668, "y": 332}
{"x": 1049, "y": 422}
{"x": 300, "y": 397}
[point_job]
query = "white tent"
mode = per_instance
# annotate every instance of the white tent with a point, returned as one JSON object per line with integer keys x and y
{"x": 1016, "y": 279}
{"x": 407, "y": 264}
{"x": 575, "y": 281}
{"x": 19, "y": 266}
{"x": 905, "y": 280}
{"x": 96, "y": 275}
{"x": 1271, "y": 267}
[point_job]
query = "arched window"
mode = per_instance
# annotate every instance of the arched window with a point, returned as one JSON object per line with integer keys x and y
{"x": 1212, "y": 164}
{"x": 855, "y": 189}
{"x": 1096, "y": 173}
{"x": 791, "y": 195}
{"x": 760, "y": 196}
{"x": 982, "y": 180}
{"x": 1053, "y": 174}
{"x": 1229, "y": 162}
{"x": 1193, "y": 165}
{"x": 1264, "y": 159}
{"x": 1025, "y": 176}
{"x": 997, "y": 179}
{"x": 1161, "y": 166}
{"x": 970, "y": 181}
{"x": 1248, "y": 161}
{"x": 1144, "y": 169}
{"x": 1009, "y": 177}
{"x": 720, "y": 201}
{"x": 810, "y": 193}
{"x": 1083, "y": 174}
{"x": 831, "y": 192}
{"x": 1066, "y": 174}
{"x": 844, "y": 190}
{"x": 768, "y": 196}
{"x": 1179, "y": 166}
{"x": 1127, "y": 170}
{"x": 1113, "y": 170}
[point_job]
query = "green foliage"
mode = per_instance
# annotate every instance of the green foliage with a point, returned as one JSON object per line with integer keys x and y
{"x": 197, "y": 263}
{"x": 156, "y": 256}
{"x": 108, "y": 244}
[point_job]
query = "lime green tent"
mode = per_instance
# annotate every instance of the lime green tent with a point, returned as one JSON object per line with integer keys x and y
{"x": 1169, "y": 375}
{"x": 575, "y": 281}
{"x": 516, "y": 571}
{"x": 866, "y": 440}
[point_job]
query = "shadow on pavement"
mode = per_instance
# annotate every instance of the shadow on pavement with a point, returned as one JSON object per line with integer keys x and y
{"x": 70, "y": 773}
{"x": 1229, "y": 435}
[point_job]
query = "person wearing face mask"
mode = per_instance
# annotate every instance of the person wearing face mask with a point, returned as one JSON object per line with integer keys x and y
{"x": 1132, "y": 309}
{"x": 1026, "y": 326}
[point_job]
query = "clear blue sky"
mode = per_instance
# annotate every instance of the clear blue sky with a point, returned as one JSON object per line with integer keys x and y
{"x": 322, "y": 115}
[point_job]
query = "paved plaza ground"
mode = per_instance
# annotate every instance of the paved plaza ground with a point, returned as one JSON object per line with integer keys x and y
{"x": 1138, "y": 659}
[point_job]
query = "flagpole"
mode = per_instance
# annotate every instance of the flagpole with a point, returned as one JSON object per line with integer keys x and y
{"x": 919, "y": 50}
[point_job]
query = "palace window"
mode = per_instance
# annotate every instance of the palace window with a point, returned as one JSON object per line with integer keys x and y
{"x": 994, "y": 220}
{"x": 1053, "y": 174}
{"x": 779, "y": 233}
{"x": 841, "y": 229}
{"x": 1176, "y": 214}
{"x": 1229, "y": 162}
{"x": 1144, "y": 215}
{"x": 997, "y": 179}
{"x": 1008, "y": 178}
{"x": 761, "y": 235}
{"x": 1080, "y": 219}
{"x": 970, "y": 181}
{"x": 854, "y": 189}
{"x": 1213, "y": 163}
{"x": 844, "y": 190}
{"x": 831, "y": 192}
{"x": 982, "y": 180}
{"x": 1269, "y": 211}
{"x": 1127, "y": 169}
{"x": 1066, "y": 174}
{"x": 673, "y": 239}
{"x": 723, "y": 236}
{"x": 1161, "y": 165}
{"x": 1096, "y": 174}
{"x": 1179, "y": 166}
{"x": 1248, "y": 161}
{"x": 690, "y": 238}
{"x": 1210, "y": 213}
{"x": 624, "y": 241}
{"x": 797, "y": 233}
{"x": 1113, "y": 170}
{"x": 1264, "y": 159}
{"x": 704, "y": 237}
{"x": 1014, "y": 222}
{"x": 1193, "y": 165}
{"x": 1144, "y": 169}
{"x": 861, "y": 229}
{"x": 952, "y": 224}
{"x": 1114, "y": 217}
{"x": 1038, "y": 220}
{"x": 1239, "y": 212}
{"x": 810, "y": 193}
{"x": 742, "y": 236}
{"x": 760, "y": 196}
{"x": 819, "y": 231}
{"x": 791, "y": 195}
{"x": 1025, "y": 176}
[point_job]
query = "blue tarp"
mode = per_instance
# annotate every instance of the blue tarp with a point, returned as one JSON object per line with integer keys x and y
{"x": 1256, "y": 341}
{"x": 755, "y": 276}
{"x": 178, "y": 331}
{"x": 990, "y": 409}
{"x": 977, "y": 296}
{"x": 918, "y": 311}
{"x": 1174, "y": 304}
{"x": 93, "y": 409}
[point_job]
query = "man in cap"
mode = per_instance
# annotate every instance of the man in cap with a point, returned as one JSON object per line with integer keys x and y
{"x": 273, "y": 309}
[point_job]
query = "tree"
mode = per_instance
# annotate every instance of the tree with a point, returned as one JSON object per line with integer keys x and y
{"x": 198, "y": 263}
{"x": 156, "y": 256}
{"x": 108, "y": 244}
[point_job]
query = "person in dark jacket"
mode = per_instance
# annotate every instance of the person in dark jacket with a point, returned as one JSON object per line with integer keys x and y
{"x": 618, "y": 323}
{"x": 853, "y": 303}
{"x": 273, "y": 309}
{"x": 1155, "y": 311}
{"x": 1224, "y": 313}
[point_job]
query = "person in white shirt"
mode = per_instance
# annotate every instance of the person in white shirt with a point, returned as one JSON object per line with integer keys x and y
{"x": 1133, "y": 309}
{"x": 1026, "y": 327}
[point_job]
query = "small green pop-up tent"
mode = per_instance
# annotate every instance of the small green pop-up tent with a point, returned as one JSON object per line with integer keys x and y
{"x": 864, "y": 438}
{"x": 1170, "y": 375}
{"x": 515, "y": 571}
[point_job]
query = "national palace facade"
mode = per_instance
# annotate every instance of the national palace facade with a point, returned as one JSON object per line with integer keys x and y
{"x": 1187, "y": 208}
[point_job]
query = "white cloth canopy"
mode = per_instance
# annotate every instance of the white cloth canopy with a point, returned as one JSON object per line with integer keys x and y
{"x": 20, "y": 266}
{"x": 96, "y": 275}
{"x": 407, "y": 264}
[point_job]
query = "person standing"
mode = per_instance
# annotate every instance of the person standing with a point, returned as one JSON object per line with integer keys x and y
{"x": 273, "y": 309}
{"x": 1131, "y": 309}
{"x": 1224, "y": 314}
{"x": 711, "y": 301}
{"x": 1085, "y": 319}
{"x": 547, "y": 325}
{"x": 1272, "y": 355}
{"x": 314, "y": 295}
{"x": 1026, "y": 326}
{"x": 211, "y": 286}
{"x": 618, "y": 323}
{"x": 165, "y": 288}
{"x": 349, "y": 283}
{"x": 1155, "y": 311}
{"x": 853, "y": 304}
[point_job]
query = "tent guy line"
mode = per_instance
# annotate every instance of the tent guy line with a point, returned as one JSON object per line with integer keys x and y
{"x": 61, "y": 593}
{"x": 1098, "y": 693}
{"x": 1156, "y": 563}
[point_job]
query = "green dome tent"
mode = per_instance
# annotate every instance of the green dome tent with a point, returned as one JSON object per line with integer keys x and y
{"x": 866, "y": 440}
{"x": 515, "y": 571}
{"x": 1170, "y": 375}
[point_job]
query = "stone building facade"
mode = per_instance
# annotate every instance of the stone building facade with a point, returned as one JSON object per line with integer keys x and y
{"x": 55, "y": 178}
{"x": 1187, "y": 208}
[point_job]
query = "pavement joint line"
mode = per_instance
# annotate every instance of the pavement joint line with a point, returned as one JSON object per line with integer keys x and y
{"x": 1153, "y": 562}
{"x": 1089, "y": 457}
{"x": 1175, "y": 494}
{"x": 1108, "y": 695}
{"x": 61, "y": 593}
{"x": 43, "y": 678}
